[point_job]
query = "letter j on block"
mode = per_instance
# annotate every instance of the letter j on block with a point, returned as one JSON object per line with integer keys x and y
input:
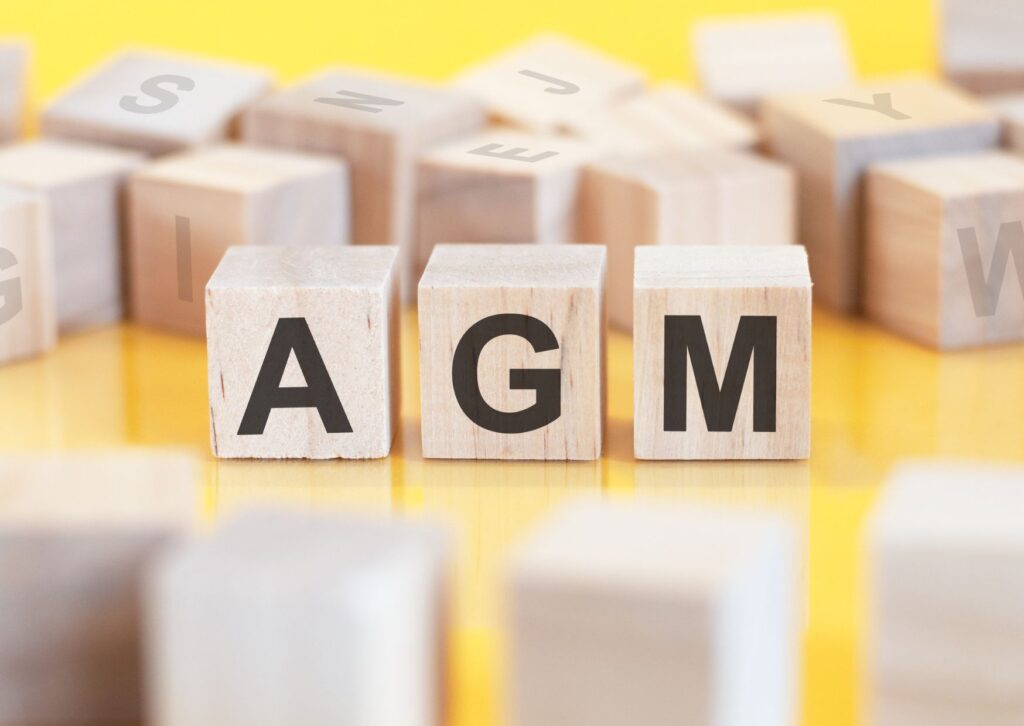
{"x": 722, "y": 352}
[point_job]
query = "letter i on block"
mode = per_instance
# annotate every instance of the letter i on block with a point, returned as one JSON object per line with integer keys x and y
{"x": 512, "y": 352}
{"x": 303, "y": 352}
{"x": 722, "y": 353}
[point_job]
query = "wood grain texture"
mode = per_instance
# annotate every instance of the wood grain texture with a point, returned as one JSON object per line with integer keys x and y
{"x": 305, "y": 618}
{"x": 667, "y": 594}
{"x": 14, "y": 58}
{"x": 830, "y": 145}
{"x": 722, "y": 285}
{"x": 562, "y": 287}
{"x": 979, "y": 44}
{"x": 186, "y": 210}
{"x": 697, "y": 197}
{"x": 174, "y": 102}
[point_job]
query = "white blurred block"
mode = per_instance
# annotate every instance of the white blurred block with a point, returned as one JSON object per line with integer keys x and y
{"x": 13, "y": 76}
{"x": 980, "y": 44}
{"x": 295, "y": 618}
{"x": 655, "y": 615}
{"x": 946, "y": 554}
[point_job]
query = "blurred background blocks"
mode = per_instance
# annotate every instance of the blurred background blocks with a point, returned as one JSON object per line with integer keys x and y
{"x": 186, "y": 210}
{"x": 944, "y": 263}
{"x": 76, "y": 534}
{"x": 697, "y": 197}
{"x": 656, "y": 615}
{"x": 14, "y": 57}
{"x": 296, "y": 618}
{"x": 156, "y": 102}
{"x": 83, "y": 185}
{"x": 512, "y": 352}
{"x": 831, "y": 138}
{"x": 980, "y": 44}
{"x": 303, "y": 352}
{"x": 734, "y": 324}
{"x": 946, "y": 581}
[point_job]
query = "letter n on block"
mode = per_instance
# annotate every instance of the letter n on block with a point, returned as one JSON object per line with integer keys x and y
{"x": 303, "y": 352}
{"x": 722, "y": 353}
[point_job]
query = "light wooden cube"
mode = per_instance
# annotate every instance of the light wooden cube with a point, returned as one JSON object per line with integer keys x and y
{"x": 512, "y": 352}
{"x": 831, "y": 143}
{"x": 980, "y": 44}
{"x": 28, "y": 302}
{"x": 13, "y": 76}
{"x": 943, "y": 236}
{"x": 946, "y": 577}
{"x": 735, "y": 324}
{"x": 500, "y": 186}
{"x": 742, "y": 61}
{"x": 656, "y": 615}
{"x": 301, "y": 618}
{"x": 156, "y": 102}
{"x": 378, "y": 124}
{"x": 1010, "y": 107}
{"x": 83, "y": 184}
{"x": 699, "y": 197}
{"x": 550, "y": 81}
{"x": 303, "y": 352}
{"x": 77, "y": 532}
{"x": 187, "y": 210}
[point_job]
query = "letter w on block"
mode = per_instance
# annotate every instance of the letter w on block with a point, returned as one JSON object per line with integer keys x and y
{"x": 360, "y": 101}
{"x": 985, "y": 292}
{"x": 756, "y": 340}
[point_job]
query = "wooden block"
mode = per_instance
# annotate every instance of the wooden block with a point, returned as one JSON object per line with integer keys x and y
{"x": 301, "y": 618}
{"x": 941, "y": 233}
{"x": 83, "y": 185}
{"x": 831, "y": 138}
{"x": 946, "y": 577}
{"x": 980, "y": 44}
{"x": 512, "y": 359}
{"x": 76, "y": 533}
{"x": 378, "y": 124}
{"x": 612, "y": 607}
{"x": 697, "y": 197}
{"x": 549, "y": 81}
{"x": 734, "y": 324}
{"x": 28, "y": 307}
{"x": 13, "y": 87}
{"x": 1010, "y": 108}
{"x": 155, "y": 102}
{"x": 500, "y": 186}
{"x": 334, "y": 312}
{"x": 742, "y": 61}
{"x": 188, "y": 209}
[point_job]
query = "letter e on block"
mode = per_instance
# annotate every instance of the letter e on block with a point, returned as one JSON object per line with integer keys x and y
{"x": 303, "y": 352}
{"x": 722, "y": 353}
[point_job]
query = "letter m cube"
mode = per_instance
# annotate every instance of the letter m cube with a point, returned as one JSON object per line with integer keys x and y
{"x": 722, "y": 352}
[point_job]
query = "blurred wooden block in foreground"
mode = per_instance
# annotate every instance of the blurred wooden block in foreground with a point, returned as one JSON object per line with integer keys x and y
{"x": 14, "y": 57}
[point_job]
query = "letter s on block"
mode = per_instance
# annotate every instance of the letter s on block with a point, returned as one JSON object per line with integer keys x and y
{"x": 154, "y": 87}
{"x": 547, "y": 382}
{"x": 10, "y": 290}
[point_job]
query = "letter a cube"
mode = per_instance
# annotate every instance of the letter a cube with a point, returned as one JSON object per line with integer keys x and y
{"x": 722, "y": 352}
{"x": 512, "y": 352}
{"x": 303, "y": 352}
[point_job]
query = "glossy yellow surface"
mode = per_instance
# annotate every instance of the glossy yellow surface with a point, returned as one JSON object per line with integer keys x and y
{"x": 876, "y": 399}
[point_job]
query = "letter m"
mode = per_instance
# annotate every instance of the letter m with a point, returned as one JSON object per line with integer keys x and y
{"x": 756, "y": 340}
{"x": 985, "y": 293}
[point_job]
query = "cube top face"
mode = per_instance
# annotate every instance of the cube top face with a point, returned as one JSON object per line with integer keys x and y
{"x": 515, "y": 266}
{"x": 48, "y": 164}
{"x": 694, "y": 267}
{"x": 958, "y": 177}
{"x": 667, "y": 171}
{"x": 509, "y": 152}
{"x": 362, "y": 267}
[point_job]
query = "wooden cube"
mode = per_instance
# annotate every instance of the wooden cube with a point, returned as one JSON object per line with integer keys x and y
{"x": 656, "y": 615}
{"x": 378, "y": 124}
{"x": 300, "y": 618}
{"x": 13, "y": 76}
{"x": 722, "y": 353}
{"x": 501, "y": 186}
{"x": 187, "y": 210}
{"x": 941, "y": 235}
{"x": 946, "y": 573}
{"x": 697, "y": 197}
{"x": 28, "y": 302}
{"x": 980, "y": 44}
{"x": 742, "y": 61}
{"x": 77, "y": 531}
{"x": 512, "y": 362}
{"x": 155, "y": 102}
{"x": 1010, "y": 107}
{"x": 548, "y": 82}
{"x": 83, "y": 184}
{"x": 303, "y": 352}
{"x": 831, "y": 138}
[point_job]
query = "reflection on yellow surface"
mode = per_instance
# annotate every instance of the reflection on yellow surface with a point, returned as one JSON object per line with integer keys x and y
{"x": 876, "y": 399}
